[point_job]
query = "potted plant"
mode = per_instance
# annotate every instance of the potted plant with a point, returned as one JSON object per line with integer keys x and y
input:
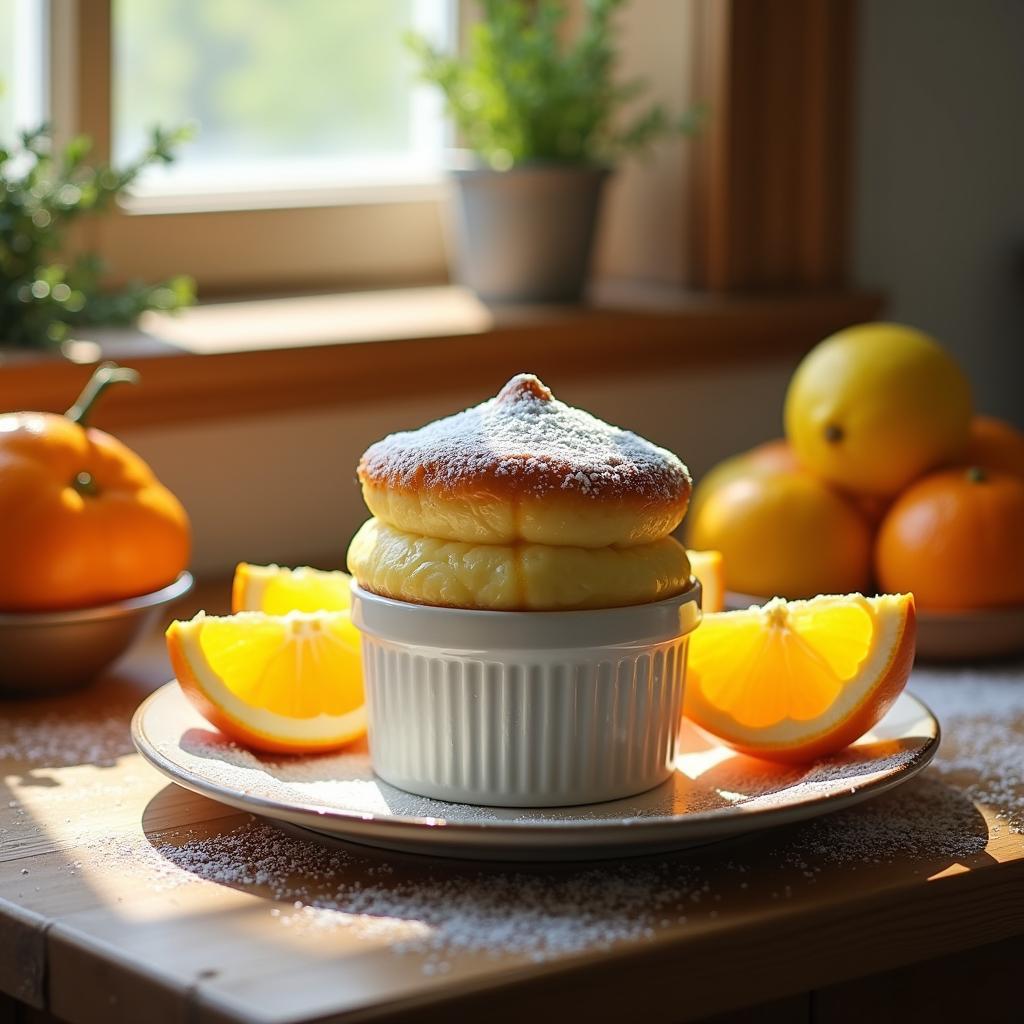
{"x": 544, "y": 119}
{"x": 42, "y": 298}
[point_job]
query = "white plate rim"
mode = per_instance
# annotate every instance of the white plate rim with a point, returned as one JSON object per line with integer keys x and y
{"x": 633, "y": 832}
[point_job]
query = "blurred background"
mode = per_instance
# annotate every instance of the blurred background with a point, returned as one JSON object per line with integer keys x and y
{"x": 318, "y": 165}
{"x": 939, "y": 211}
{"x": 311, "y": 94}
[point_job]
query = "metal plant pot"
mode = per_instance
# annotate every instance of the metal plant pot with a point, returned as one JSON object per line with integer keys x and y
{"x": 526, "y": 234}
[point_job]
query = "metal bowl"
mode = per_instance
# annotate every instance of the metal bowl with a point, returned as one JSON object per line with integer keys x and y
{"x": 47, "y": 652}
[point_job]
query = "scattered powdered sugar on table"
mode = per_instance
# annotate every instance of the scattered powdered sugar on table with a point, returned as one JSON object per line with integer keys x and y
{"x": 439, "y": 909}
{"x": 982, "y": 715}
{"x": 66, "y": 733}
{"x": 435, "y": 909}
{"x": 979, "y": 765}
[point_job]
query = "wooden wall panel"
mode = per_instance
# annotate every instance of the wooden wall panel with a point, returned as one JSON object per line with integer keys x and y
{"x": 771, "y": 169}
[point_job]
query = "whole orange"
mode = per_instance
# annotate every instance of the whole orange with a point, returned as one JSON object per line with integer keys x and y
{"x": 995, "y": 444}
{"x": 85, "y": 521}
{"x": 782, "y": 532}
{"x": 779, "y": 454}
{"x": 774, "y": 454}
{"x": 955, "y": 539}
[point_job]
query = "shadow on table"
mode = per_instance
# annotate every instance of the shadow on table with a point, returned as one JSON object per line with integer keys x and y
{"x": 90, "y": 726}
{"x": 918, "y": 830}
{"x": 915, "y": 832}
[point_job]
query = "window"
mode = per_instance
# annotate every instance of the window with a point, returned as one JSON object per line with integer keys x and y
{"x": 309, "y": 96}
{"x": 318, "y": 156}
{"x": 22, "y": 66}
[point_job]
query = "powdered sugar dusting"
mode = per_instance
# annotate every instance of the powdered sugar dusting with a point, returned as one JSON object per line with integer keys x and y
{"x": 527, "y": 437}
{"x": 982, "y": 712}
{"x": 68, "y": 731}
{"x": 433, "y": 910}
{"x": 436, "y": 910}
{"x": 440, "y": 910}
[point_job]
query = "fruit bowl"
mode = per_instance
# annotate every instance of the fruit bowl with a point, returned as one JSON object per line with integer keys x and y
{"x": 48, "y": 652}
{"x": 949, "y": 636}
{"x": 970, "y": 635}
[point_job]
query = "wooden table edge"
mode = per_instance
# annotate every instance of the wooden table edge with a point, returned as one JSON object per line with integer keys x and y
{"x": 644, "y": 980}
{"x": 23, "y": 953}
{"x": 833, "y": 944}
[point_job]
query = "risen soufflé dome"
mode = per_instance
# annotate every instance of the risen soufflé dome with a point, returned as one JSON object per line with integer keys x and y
{"x": 521, "y": 503}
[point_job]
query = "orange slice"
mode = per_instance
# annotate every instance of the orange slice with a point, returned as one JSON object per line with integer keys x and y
{"x": 277, "y": 591}
{"x": 793, "y": 681}
{"x": 286, "y": 683}
{"x": 709, "y": 569}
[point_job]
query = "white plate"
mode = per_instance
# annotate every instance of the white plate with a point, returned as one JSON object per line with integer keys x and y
{"x": 715, "y": 793}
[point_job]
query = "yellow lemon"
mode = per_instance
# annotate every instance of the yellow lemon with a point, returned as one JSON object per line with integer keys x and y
{"x": 875, "y": 406}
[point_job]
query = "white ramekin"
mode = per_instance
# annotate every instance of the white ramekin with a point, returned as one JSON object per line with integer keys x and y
{"x": 524, "y": 709}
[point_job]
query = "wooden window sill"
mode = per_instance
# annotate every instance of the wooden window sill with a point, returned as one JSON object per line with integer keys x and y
{"x": 273, "y": 355}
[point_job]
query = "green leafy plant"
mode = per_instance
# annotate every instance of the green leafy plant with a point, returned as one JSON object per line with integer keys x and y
{"x": 42, "y": 298}
{"x": 521, "y": 93}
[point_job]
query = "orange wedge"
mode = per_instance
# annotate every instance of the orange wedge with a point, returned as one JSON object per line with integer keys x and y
{"x": 709, "y": 569}
{"x": 284, "y": 683}
{"x": 277, "y": 590}
{"x": 793, "y": 681}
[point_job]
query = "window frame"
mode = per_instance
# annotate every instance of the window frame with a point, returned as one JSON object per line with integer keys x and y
{"x": 359, "y": 237}
{"x": 770, "y": 182}
{"x": 766, "y": 182}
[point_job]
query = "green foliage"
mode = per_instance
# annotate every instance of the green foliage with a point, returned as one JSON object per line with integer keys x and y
{"x": 522, "y": 94}
{"x": 41, "y": 194}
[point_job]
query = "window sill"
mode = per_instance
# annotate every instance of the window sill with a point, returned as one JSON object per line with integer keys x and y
{"x": 425, "y": 188}
{"x": 275, "y": 355}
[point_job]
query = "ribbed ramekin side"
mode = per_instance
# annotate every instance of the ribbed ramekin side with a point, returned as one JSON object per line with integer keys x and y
{"x": 575, "y": 726}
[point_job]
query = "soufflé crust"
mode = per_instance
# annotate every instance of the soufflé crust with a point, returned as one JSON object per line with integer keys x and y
{"x": 525, "y": 467}
{"x": 521, "y": 504}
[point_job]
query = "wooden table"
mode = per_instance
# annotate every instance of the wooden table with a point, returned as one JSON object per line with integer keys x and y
{"x": 126, "y": 899}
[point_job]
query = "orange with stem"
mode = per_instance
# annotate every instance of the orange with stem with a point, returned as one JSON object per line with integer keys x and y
{"x": 85, "y": 521}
